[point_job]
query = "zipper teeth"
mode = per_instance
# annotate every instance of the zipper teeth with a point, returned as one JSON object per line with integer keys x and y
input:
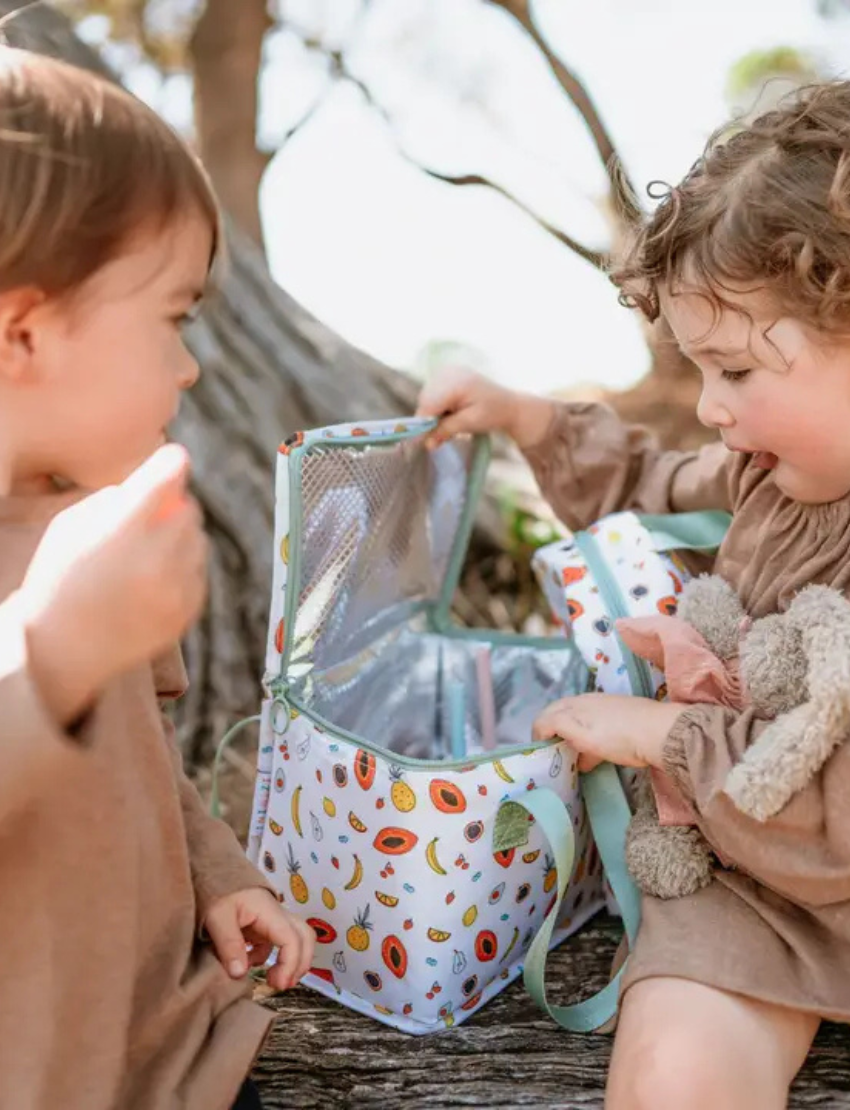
{"x": 609, "y": 588}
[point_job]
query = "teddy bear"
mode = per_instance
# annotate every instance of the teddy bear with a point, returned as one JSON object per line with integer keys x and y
{"x": 793, "y": 668}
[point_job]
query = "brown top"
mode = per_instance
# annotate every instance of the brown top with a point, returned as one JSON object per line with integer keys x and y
{"x": 108, "y": 862}
{"x": 775, "y": 925}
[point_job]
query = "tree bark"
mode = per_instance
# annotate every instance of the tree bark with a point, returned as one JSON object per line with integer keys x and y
{"x": 225, "y": 49}
{"x": 269, "y": 368}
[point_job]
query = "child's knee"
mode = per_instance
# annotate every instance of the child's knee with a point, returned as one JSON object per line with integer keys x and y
{"x": 666, "y": 1071}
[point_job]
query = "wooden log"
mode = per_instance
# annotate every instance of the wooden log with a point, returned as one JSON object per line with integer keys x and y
{"x": 509, "y": 1054}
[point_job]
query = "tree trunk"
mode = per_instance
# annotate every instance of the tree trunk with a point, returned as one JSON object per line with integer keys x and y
{"x": 269, "y": 368}
{"x": 226, "y": 50}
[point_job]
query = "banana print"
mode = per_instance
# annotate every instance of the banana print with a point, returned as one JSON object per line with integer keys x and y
{"x": 296, "y": 815}
{"x": 357, "y": 877}
{"x": 431, "y": 857}
{"x": 499, "y": 768}
{"x": 420, "y": 921}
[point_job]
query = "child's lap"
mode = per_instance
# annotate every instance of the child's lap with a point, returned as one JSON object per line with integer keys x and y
{"x": 743, "y": 939}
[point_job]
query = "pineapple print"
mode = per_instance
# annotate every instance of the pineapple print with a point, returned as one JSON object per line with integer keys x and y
{"x": 551, "y": 873}
{"x": 358, "y": 934}
{"x": 401, "y": 794}
{"x": 296, "y": 883}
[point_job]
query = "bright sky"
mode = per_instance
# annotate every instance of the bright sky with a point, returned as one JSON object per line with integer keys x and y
{"x": 393, "y": 260}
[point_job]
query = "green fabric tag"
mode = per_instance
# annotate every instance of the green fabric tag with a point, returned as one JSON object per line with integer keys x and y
{"x": 511, "y": 828}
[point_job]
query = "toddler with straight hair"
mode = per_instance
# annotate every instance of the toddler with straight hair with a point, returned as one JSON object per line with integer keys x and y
{"x": 129, "y": 918}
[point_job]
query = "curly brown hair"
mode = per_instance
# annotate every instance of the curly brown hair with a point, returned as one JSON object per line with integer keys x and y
{"x": 766, "y": 208}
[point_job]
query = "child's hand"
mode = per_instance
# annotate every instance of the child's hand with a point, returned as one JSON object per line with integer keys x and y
{"x": 255, "y": 917}
{"x": 470, "y": 403}
{"x": 628, "y": 731}
{"x": 116, "y": 579}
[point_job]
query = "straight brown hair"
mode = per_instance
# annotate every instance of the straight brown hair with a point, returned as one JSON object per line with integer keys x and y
{"x": 85, "y": 168}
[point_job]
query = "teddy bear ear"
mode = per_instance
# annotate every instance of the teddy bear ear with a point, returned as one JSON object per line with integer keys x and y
{"x": 777, "y": 765}
{"x": 822, "y": 615}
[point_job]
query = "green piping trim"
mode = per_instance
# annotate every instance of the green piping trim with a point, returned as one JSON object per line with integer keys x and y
{"x": 277, "y": 690}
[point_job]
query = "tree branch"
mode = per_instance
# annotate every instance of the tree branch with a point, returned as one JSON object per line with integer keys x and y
{"x": 339, "y": 70}
{"x": 622, "y": 190}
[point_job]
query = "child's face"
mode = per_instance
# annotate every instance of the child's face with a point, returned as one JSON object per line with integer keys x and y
{"x": 771, "y": 388}
{"x": 98, "y": 376}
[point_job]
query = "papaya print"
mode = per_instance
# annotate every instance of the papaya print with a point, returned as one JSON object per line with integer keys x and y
{"x": 395, "y": 841}
{"x": 505, "y": 858}
{"x": 446, "y": 797}
{"x": 668, "y": 606}
{"x": 486, "y": 945}
{"x": 394, "y": 955}
{"x": 419, "y": 921}
{"x": 364, "y": 768}
{"x": 325, "y": 932}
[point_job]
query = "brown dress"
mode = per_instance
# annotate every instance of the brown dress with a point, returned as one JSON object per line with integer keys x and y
{"x": 775, "y": 924}
{"x": 108, "y": 864}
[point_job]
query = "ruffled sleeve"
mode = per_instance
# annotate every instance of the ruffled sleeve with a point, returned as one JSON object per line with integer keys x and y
{"x": 590, "y": 463}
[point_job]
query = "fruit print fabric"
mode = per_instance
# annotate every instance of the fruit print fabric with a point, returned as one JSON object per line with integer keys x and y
{"x": 649, "y": 582}
{"x": 418, "y": 921}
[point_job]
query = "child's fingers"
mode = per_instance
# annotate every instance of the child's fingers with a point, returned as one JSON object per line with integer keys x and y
{"x": 158, "y": 487}
{"x": 289, "y": 957}
{"x": 308, "y": 948}
{"x": 224, "y": 930}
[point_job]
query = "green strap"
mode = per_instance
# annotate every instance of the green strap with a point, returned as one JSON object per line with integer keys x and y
{"x": 700, "y": 531}
{"x": 226, "y": 741}
{"x": 609, "y": 816}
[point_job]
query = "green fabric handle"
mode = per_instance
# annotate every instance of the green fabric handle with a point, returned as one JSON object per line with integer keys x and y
{"x": 699, "y": 531}
{"x": 609, "y": 816}
{"x": 226, "y": 741}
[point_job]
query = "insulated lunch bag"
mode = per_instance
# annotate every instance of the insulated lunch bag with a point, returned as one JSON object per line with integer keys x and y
{"x": 400, "y": 805}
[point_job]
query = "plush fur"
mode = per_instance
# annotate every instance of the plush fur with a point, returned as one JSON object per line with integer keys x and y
{"x": 795, "y": 667}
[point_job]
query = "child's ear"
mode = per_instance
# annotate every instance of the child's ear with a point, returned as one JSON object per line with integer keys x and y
{"x": 18, "y": 321}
